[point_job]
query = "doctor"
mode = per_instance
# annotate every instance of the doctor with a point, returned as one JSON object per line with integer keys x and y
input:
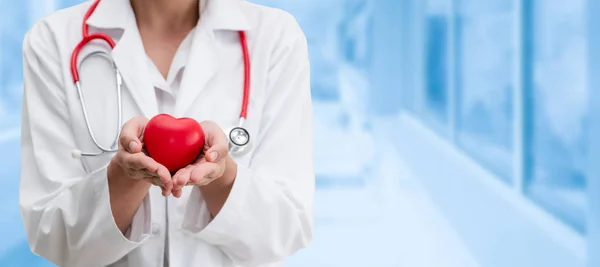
{"x": 180, "y": 57}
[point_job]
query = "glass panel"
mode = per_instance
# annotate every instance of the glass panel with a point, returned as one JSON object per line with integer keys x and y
{"x": 409, "y": 49}
{"x": 485, "y": 56}
{"x": 436, "y": 59}
{"x": 560, "y": 109}
{"x": 14, "y": 23}
{"x": 68, "y": 3}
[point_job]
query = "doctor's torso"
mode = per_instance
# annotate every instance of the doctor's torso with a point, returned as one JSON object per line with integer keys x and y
{"x": 208, "y": 87}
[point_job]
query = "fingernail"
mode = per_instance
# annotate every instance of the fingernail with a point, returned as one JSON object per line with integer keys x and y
{"x": 132, "y": 145}
{"x": 214, "y": 156}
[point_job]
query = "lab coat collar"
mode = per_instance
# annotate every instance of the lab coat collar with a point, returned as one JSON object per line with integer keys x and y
{"x": 225, "y": 15}
{"x": 130, "y": 57}
{"x": 111, "y": 14}
{"x": 216, "y": 14}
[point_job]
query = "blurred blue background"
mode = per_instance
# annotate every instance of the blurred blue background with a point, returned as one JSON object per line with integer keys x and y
{"x": 474, "y": 121}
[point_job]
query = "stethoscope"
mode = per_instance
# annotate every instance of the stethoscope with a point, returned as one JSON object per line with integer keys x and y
{"x": 239, "y": 137}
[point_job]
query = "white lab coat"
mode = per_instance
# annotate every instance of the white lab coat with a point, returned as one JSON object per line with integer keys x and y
{"x": 64, "y": 201}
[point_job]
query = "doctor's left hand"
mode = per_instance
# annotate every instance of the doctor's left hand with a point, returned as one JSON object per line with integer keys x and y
{"x": 212, "y": 163}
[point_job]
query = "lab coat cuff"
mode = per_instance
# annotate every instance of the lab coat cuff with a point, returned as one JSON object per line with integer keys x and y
{"x": 221, "y": 229}
{"x": 141, "y": 224}
{"x": 111, "y": 235}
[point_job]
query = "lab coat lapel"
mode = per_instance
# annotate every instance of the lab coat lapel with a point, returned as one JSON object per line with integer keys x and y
{"x": 130, "y": 58}
{"x": 203, "y": 63}
{"x": 201, "y": 67}
{"x": 129, "y": 54}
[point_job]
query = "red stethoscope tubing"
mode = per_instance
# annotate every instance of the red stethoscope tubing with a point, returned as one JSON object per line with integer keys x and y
{"x": 87, "y": 38}
{"x": 246, "y": 55}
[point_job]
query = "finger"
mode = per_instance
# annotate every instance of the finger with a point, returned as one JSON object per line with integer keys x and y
{"x": 131, "y": 133}
{"x": 130, "y": 143}
{"x": 139, "y": 161}
{"x": 216, "y": 141}
{"x": 216, "y": 153}
{"x": 154, "y": 180}
{"x": 181, "y": 178}
{"x": 165, "y": 177}
{"x": 148, "y": 174}
{"x": 177, "y": 193}
{"x": 179, "y": 175}
{"x": 133, "y": 174}
{"x": 144, "y": 175}
{"x": 204, "y": 173}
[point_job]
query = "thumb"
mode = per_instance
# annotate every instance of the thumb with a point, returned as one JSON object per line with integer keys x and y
{"x": 131, "y": 134}
{"x": 216, "y": 140}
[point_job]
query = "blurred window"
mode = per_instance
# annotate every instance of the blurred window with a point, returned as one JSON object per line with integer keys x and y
{"x": 436, "y": 59}
{"x": 67, "y": 3}
{"x": 484, "y": 81}
{"x": 410, "y": 36}
{"x": 560, "y": 109}
{"x": 14, "y": 22}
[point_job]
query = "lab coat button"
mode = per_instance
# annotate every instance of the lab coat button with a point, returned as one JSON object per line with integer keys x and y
{"x": 155, "y": 228}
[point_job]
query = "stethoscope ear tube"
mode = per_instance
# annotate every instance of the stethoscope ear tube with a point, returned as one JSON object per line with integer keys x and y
{"x": 119, "y": 83}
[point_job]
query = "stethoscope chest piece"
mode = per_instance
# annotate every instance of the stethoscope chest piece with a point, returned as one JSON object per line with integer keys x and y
{"x": 239, "y": 141}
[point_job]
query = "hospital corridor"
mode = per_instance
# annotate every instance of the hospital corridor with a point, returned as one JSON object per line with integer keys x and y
{"x": 447, "y": 133}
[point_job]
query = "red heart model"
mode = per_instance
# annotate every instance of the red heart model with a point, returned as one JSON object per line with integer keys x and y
{"x": 172, "y": 142}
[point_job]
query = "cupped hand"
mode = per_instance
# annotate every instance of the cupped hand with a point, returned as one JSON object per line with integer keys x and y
{"x": 134, "y": 162}
{"x": 210, "y": 165}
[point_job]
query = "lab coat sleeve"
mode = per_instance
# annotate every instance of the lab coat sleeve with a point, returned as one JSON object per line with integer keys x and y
{"x": 66, "y": 212}
{"x": 269, "y": 212}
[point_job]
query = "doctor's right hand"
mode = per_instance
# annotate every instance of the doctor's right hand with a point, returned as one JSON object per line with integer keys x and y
{"x": 131, "y": 163}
